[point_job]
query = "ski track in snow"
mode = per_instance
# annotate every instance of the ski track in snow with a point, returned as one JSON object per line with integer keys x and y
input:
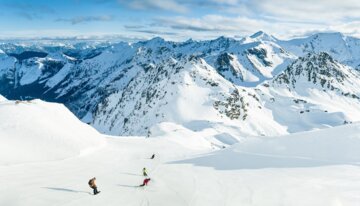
{"x": 193, "y": 198}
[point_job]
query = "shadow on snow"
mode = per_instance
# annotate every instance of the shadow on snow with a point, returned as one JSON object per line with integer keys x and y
{"x": 230, "y": 160}
{"x": 66, "y": 190}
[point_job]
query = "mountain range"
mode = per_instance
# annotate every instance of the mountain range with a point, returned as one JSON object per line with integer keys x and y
{"x": 257, "y": 85}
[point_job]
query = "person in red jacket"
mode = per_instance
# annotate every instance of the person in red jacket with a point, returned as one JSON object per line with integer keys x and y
{"x": 145, "y": 182}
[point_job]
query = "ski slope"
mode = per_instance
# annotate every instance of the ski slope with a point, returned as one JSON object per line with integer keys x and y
{"x": 32, "y": 131}
{"x": 318, "y": 168}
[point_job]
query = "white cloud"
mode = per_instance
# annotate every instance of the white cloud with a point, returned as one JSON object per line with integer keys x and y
{"x": 323, "y": 11}
{"x": 352, "y": 28}
{"x": 83, "y": 19}
{"x": 216, "y": 25}
{"x": 169, "y": 5}
{"x": 204, "y": 19}
{"x": 229, "y": 2}
{"x": 211, "y": 23}
{"x": 284, "y": 19}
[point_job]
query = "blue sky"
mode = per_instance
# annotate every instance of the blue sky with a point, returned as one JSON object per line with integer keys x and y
{"x": 175, "y": 19}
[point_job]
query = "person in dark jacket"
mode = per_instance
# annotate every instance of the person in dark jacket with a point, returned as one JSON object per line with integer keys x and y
{"x": 152, "y": 156}
{"x": 92, "y": 185}
{"x": 144, "y": 172}
{"x": 145, "y": 182}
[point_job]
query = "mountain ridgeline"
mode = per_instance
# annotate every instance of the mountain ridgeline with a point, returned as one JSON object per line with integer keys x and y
{"x": 258, "y": 85}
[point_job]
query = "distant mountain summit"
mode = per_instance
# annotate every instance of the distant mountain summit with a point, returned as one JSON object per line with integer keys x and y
{"x": 262, "y": 36}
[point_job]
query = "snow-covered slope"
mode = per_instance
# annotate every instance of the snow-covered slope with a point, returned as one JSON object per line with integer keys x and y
{"x": 333, "y": 146}
{"x": 318, "y": 168}
{"x": 188, "y": 92}
{"x": 161, "y": 94}
{"x": 314, "y": 92}
{"x": 32, "y": 131}
{"x": 189, "y": 99}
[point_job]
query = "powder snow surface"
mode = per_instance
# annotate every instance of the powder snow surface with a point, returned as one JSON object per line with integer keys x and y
{"x": 39, "y": 131}
{"x": 43, "y": 162}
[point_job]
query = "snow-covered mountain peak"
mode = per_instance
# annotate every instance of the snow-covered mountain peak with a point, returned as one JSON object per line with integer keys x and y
{"x": 328, "y": 36}
{"x": 223, "y": 39}
{"x": 262, "y": 35}
{"x": 320, "y": 71}
{"x": 154, "y": 42}
{"x": 259, "y": 36}
{"x": 340, "y": 47}
{"x": 190, "y": 40}
{"x": 221, "y": 42}
{"x": 311, "y": 63}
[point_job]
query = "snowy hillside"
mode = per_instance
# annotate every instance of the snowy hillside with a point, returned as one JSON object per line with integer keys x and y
{"x": 33, "y": 131}
{"x": 333, "y": 146}
{"x": 318, "y": 168}
{"x": 314, "y": 92}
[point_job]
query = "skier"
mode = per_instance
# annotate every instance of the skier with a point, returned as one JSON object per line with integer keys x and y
{"x": 144, "y": 172}
{"x": 145, "y": 182}
{"x": 152, "y": 156}
{"x": 93, "y": 185}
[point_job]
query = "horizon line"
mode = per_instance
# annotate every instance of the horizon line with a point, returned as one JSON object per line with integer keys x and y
{"x": 121, "y": 38}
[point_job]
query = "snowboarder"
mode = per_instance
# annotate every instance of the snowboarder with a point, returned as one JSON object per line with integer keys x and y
{"x": 144, "y": 172}
{"x": 145, "y": 182}
{"x": 93, "y": 185}
{"x": 152, "y": 156}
